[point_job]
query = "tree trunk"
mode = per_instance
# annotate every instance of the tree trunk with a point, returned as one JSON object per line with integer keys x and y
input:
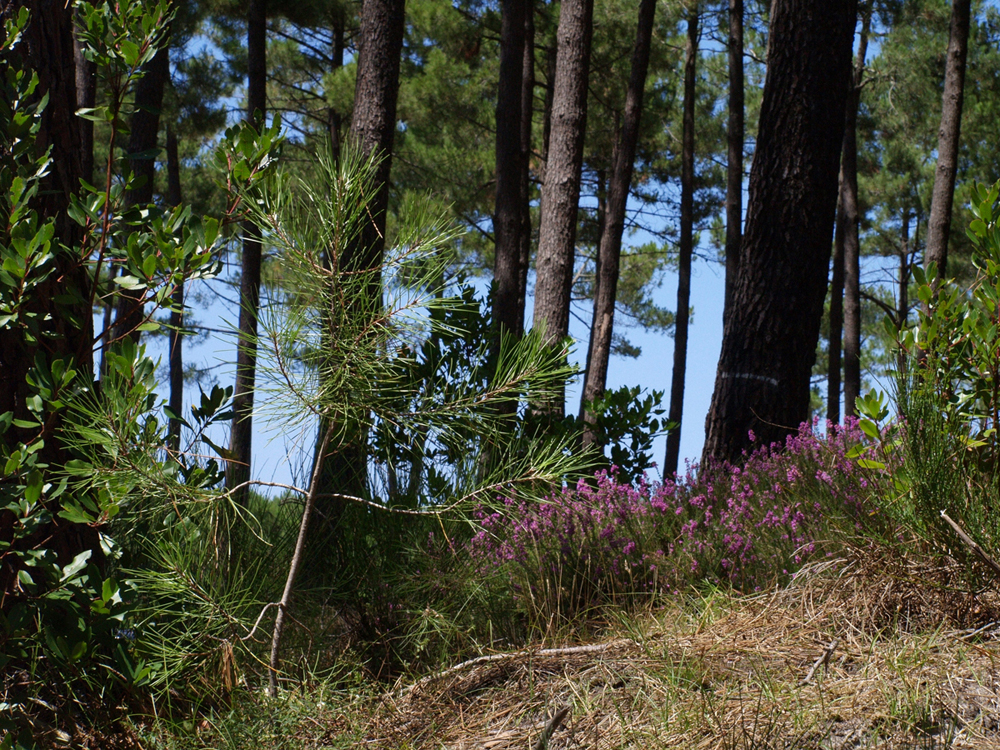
{"x": 835, "y": 341}
{"x": 176, "y": 354}
{"x": 550, "y": 87}
{"x": 335, "y": 119}
{"x": 86, "y": 97}
{"x": 734, "y": 139}
{"x": 903, "y": 303}
{"x": 508, "y": 216}
{"x": 610, "y": 246}
{"x": 852, "y": 241}
{"x": 143, "y": 136}
{"x": 66, "y": 328}
{"x": 939, "y": 225}
{"x": 527, "y": 117}
{"x": 373, "y": 127}
{"x": 769, "y": 341}
{"x": 241, "y": 434}
{"x": 676, "y": 412}
{"x": 561, "y": 191}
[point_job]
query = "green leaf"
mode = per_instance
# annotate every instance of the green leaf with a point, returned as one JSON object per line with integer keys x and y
{"x": 129, "y": 282}
{"x": 870, "y": 429}
{"x": 149, "y": 266}
{"x": 79, "y": 563}
{"x": 867, "y": 463}
{"x": 76, "y": 514}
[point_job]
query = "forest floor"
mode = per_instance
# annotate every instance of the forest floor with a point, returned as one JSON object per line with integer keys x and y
{"x": 858, "y": 653}
{"x": 850, "y": 655}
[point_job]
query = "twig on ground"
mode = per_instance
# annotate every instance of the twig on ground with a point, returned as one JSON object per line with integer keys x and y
{"x": 550, "y": 728}
{"x": 593, "y": 648}
{"x": 980, "y": 553}
{"x": 823, "y": 659}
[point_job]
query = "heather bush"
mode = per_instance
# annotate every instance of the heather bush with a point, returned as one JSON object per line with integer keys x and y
{"x": 613, "y": 542}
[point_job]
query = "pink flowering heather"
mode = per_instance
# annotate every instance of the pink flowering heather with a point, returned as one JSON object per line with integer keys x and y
{"x": 746, "y": 526}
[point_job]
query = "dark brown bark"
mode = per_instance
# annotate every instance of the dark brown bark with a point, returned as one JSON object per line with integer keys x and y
{"x": 86, "y": 97}
{"x": 561, "y": 191}
{"x": 676, "y": 411}
{"x": 176, "y": 344}
{"x": 144, "y": 130}
{"x": 734, "y": 140}
{"x": 851, "y": 239}
{"x": 769, "y": 341}
{"x": 241, "y": 435}
{"x": 939, "y": 224}
{"x": 550, "y": 87}
{"x": 836, "y": 338}
{"x": 613, "y": 225}
{"x": 373, "y": 126}
{"x": 335, "y": 118}
{"x": 527, "y": 117}
{"x": 508, "y": 214}
{"x": 47, "y": 49}
{"x": 373, "y": 129}
{"x": 903, "y": 301}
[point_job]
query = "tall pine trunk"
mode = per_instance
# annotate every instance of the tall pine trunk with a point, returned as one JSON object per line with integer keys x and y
{"x": 849, "y": 219}
{"x": 903, "y": 281}
{"x": 508, "y": 218}
{"x": 676, "y": 411}
{"x": 176, "y": 345}
{"x": 734, "y": 142}
{"x": 610, "y": 246}
{"x": 241, "y": 435}
{"x": 344, "y": 469}
{"x": 561, "y": 191}
{"x": 769, "y": 341}
{"x": 86, "y": 97}
{"x": 527, "y": 118}
{"x": 144, "y": 131}
{"x": 939, "y": 224}
{"x": 836, "y": 338}
{"x": 65, "y": 328}
{"x": 334, "y": 116}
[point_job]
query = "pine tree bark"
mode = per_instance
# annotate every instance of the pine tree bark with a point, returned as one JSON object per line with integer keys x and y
{"x": 939, "y": 224}
{"x": 610, "y": 245}
{"x": 836, "y": 338}
{"x": 241, "y": 434}
{"x": 675, "y": 413}
{"x": 144, "y": 130}
{"x": 903, "y": 281}
{"x": 769, "y": 342}
{"x": 510, "y": 168}
{"x": 550, "y": 87}
{"x": 47, "y": 49}
{"x": 334, "y": 117}
{"x": 849, "y": 219}
{"x": 176, "y": 342}
{"x": 734, "y": 141}
{"x": 561, "y": 191}
{"x": 86, "y": 97}
{"x": 527, "y": 118}
{"x": 373, "y": 126}
{"x": 344, "y": 468}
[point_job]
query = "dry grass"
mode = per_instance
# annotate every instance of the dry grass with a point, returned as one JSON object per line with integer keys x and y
{"x": 915, "y": 666}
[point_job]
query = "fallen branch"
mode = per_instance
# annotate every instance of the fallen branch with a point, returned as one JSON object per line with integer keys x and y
{"x": 568, "y": 650}
{"x": 550, "y": 728}
{"x": 824, "y": 659}
{"x": 980, "y": 553}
